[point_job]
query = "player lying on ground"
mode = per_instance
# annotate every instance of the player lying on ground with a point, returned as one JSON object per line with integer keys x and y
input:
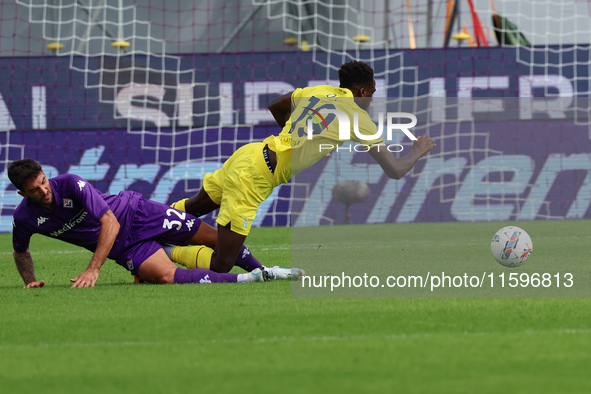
{"x": 248, "y": 177}
{"x": 126, "y": 228}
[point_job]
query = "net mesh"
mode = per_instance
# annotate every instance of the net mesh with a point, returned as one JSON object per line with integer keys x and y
{"x": 152, "y": 95}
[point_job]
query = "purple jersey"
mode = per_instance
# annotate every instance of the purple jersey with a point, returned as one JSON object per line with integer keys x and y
{"x": 79, "y": 208}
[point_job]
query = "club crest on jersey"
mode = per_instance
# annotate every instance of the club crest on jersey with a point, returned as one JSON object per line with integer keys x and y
{"x": 246, "y": 220}
{"x": 130, "y": 264}
{"x": 68, "y": 203}
{"x": 41, "y": 220}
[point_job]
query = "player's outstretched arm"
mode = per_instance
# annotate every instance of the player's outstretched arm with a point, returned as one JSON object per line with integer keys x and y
{"x": 397, "y": 167}
{"x": 25, "y": 266}
{"x": 109, "y": 230}
{"x": 281, "y": 109}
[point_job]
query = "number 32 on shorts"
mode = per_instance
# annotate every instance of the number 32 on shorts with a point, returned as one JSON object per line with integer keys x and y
{"x": 169, "y": 224}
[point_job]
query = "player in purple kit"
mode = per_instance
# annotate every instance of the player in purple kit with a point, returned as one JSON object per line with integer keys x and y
{"x": 126, "y": 228}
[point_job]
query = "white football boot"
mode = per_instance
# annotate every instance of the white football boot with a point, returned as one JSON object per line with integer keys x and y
{"x": 259, "y": 275}
{"x": 286, "y": 273}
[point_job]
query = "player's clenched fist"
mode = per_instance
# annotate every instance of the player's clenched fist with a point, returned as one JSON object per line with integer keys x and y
{"x": 423, "y": 145}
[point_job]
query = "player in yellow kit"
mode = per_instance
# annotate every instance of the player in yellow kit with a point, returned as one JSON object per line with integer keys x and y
{"x": 249, "y": 176}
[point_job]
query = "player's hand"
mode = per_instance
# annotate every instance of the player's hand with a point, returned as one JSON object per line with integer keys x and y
{"x": 423, "y": 145}
{"x": 34, "y": 284}
{"x": 87, "y": 278}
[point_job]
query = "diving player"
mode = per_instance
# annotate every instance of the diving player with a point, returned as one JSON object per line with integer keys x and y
{"x": 249, "y": 176}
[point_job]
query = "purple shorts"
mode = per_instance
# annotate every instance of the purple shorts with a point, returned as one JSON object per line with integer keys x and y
{"x": 155, "y": 224}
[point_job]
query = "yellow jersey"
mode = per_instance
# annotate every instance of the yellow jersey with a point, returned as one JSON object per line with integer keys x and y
{"x": 334, "y": 117}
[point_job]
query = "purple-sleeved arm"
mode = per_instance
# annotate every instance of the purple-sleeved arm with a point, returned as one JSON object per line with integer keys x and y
{"x": 21, "y": 234}
{"x": 89, "y": 197}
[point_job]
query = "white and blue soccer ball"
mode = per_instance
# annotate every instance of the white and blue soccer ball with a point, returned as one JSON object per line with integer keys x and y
{"x": 511, "y": 246}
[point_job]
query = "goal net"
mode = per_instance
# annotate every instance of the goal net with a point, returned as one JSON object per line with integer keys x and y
{"x": 152, "y": 95}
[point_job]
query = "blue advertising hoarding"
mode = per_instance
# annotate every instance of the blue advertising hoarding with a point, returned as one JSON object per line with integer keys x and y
{"x": 156, "y": 126}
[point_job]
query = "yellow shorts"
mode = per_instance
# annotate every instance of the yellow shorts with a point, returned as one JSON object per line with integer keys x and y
{"x": 243, "y": 182}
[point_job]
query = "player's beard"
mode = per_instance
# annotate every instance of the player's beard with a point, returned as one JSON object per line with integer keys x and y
{"x": 47, "y": 200}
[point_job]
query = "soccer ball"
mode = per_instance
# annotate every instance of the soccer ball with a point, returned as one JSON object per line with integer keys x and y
{"x": 349, "y": 192}
{"x": 511, "y": 246}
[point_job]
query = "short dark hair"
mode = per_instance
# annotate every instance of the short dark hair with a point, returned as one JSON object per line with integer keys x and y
{"x": 355, "y": 74}
{"x": 20, "y": 171}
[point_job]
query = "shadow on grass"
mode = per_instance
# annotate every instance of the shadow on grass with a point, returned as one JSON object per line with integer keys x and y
{"x": 63, "y": 286}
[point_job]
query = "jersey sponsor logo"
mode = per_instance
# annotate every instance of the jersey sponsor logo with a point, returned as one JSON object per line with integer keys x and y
{"x": 68, "y": 203}
{"x": 70, "y": 225}
{"x": 81, "y": 184}
{"x": 41, "y": 220}
{"x": 205, "y": 279}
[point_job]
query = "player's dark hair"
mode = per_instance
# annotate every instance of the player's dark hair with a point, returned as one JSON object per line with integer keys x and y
{"x": 21, "y": 171}
{"x": 355, "y": 74}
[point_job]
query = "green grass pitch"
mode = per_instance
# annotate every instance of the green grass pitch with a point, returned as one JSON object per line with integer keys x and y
{"x": 255, "y": 338}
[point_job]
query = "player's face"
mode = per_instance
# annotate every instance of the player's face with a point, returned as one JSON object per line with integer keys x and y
{"x": 366, "y": 95}
{"x": 39, "y": 191}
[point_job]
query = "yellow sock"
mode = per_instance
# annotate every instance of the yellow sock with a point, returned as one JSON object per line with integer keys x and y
{"x": 196, "y": 256}
{"x": 180, "y": 205}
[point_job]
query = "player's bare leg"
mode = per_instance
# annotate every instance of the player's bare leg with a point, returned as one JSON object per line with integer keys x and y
{"x": 230, "y": 246}
{"x": 199, "y": 256}
{"x": 157, "y": 269}
{"x": 232, "y": 251}
{"x": 206, "y": 235}
{"x": 200, "y": 204}
{"x": 227, "y": 249}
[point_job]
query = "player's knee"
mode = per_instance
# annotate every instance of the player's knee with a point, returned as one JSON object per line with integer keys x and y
{"x": 165, "y": 278}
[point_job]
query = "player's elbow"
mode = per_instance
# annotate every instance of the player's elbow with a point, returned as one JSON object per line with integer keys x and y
{"x": 114, "y": 226}
{"x": 389, "y": 164}
{"x": 394, "y": 170}
{"x": 394, "y": 174}
{"x": 275, "y": 108}
{"x": 110, "y": 221}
